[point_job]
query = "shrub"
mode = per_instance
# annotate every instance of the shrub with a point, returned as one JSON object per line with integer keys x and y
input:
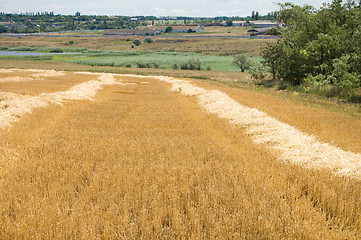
{"x": 192, "y": 64}
{"x": 242, "y": 62}
{"x": 140, "y": 65}
{"x": 56, "y": 50}
{"x": 341, "y": 81}
{"x": 258, "y": 71}
{"x": 3, "y": 48}
{"x": 137, "y": 42}
{"x": 155, "y": 65}
{"x": 175, "y": 66}
{"x": 148, "y": 40}
{"x": 184, "y": 66}
{"x": 147, "y": 65}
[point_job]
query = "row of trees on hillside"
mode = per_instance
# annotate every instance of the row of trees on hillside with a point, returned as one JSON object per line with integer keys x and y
{"x": 319, "y": 49}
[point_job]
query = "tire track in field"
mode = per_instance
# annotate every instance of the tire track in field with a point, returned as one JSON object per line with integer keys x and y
{"x": 293, "y": 145}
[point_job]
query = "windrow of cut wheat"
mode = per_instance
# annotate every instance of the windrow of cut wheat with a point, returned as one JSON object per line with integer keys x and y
{"x": 34, "y": 74}
{"x": 292, "y": 145}
{"x": 13, "y": 106}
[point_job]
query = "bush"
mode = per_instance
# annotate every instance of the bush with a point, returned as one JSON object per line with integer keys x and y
{"x": 175, "y": 66}
{"x": 242, "y": 62}
{"x": 184, "y": 66}
{"x": 137, "y": 42}
{"x": 3, "y": 48}
{"x": 148, "y": 40}
{"x": 343, "y": 78}
{"x": 258, "y": 71}
{"x": 147, "y": 65}
{"x": 341, "y": 82}
{"x": 56, "y": 50}
{"x": 140, "y": 65}
{"x": 192, "y": 64}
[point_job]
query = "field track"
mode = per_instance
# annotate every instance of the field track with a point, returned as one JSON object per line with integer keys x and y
{"x": 120, "y": 156}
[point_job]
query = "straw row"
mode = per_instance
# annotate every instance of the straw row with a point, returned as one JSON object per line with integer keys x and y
{"x": 13, "y": 106}
{"x": 34, "y": 74}
{"x": 291, "y": 144}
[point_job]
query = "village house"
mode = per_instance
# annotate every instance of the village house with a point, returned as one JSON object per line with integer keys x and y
{"x": 188, "y": 28}
{"x": 129, "y": 32}
{"x": 235, "y": 23}
{"x": 177, "y": 28}
{"x": 263, "y": 24}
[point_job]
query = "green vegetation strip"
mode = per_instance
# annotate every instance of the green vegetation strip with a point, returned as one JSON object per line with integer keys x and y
{"x": 165, "y": 60}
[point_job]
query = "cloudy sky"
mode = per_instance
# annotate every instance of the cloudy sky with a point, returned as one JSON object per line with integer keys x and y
{"x": 201, "y": 8}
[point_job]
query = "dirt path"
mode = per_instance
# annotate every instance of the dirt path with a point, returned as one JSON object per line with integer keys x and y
{"x": 142, "y": 161}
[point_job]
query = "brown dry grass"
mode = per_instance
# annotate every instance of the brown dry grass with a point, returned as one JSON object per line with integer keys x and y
{"x": 142, "y": 162}
{"x": 228, "y": 46}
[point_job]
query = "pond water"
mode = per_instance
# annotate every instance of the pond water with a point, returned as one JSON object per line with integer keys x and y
{"x": 28, "y": 53}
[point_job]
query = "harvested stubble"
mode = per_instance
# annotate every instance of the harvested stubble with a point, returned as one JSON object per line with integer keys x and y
{"x": 35, "y": 82}
{"x": 293, "y": 145}
{"x": 14, "y": 106}
{"x": 142, "y": 162}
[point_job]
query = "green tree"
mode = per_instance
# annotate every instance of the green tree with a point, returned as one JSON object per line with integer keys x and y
{"x": 229, "y": 22}
{"x": 168, "y": 29}
{"x": 3, "y": 29}
{"x": 318, "y": 47}
{"x": 242, "y": 62}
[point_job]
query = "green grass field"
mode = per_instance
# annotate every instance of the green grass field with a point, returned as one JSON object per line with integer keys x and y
{"x": 165, "y": 60}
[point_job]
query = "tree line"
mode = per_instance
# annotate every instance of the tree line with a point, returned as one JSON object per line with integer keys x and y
{"x": 319, "y": 49}
{"x": 48, "y": 21}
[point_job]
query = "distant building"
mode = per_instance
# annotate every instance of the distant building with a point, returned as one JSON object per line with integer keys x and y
{"x": 129, "y": 32}
{"x": 263, "y": 24}
{"x": 151, "y": 31}
{"x": 177, "y": 28}
{"x": 213, "y": 24}
{"x": 235, "y": 23}
{"x": 257, "y": 24}
{"x": 259, "y": 31}
{"x": 187, "y": 29}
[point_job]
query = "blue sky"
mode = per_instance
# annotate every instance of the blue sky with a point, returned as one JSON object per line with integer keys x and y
{"x": 200, "y": 8}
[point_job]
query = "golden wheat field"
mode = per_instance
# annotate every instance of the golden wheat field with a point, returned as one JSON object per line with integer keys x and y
{"x": 111, "y": 156}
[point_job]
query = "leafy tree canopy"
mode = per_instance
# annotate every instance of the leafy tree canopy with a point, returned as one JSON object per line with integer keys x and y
{"x": 314, "y": 43}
